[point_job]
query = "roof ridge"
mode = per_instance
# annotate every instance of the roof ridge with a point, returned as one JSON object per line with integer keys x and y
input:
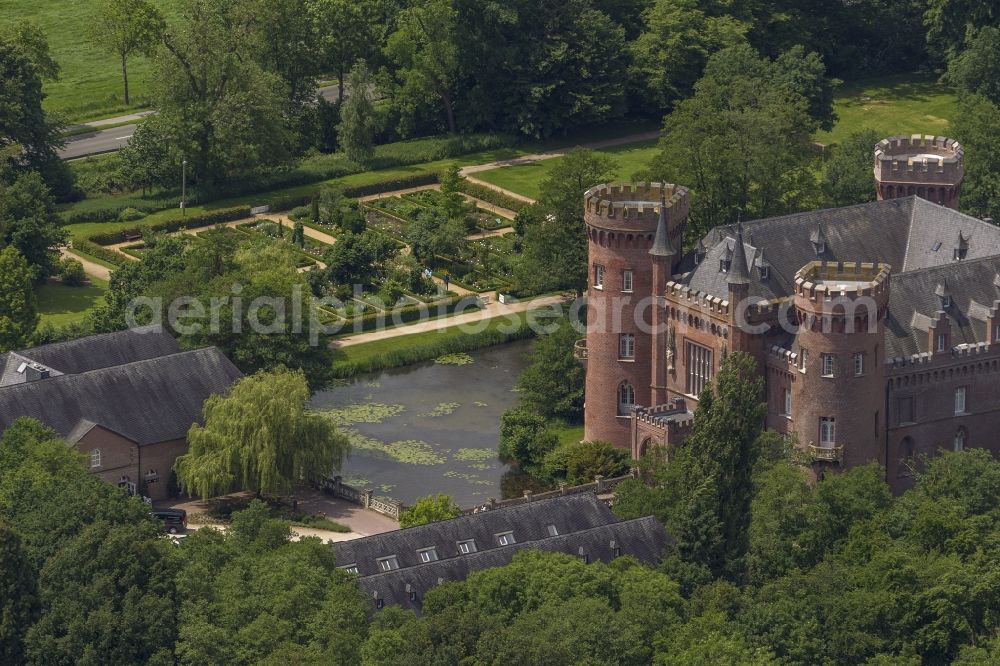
{"x": 951, "y": 264}
{"x": 89, "y": 373}
{"x": 138, "y": 330}
{"x": 512, "y": 546}
{"x": 533, "y": 502}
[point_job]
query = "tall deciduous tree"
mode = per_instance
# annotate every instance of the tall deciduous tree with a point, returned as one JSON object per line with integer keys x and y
{"x": 28, "y": 221}
{"x": 28, "y": 137}
{"x": 18, "y": 308}
{"x": 345, "y": 32}
{"x": 18, "y": 596}
{"x": 742, "y": 143}
{"x": 428, "y": 510}
{"x": 555, "y": 246}
{"x": 977, "y": 68}
{"x": 552, "y": 384}
{"x": 424, "y": 49}
{"x": 125, "y": 28}
{"x": 224, "y": 111}
{"x": 358, "y": 117}
{"x": 977, "y": 126}
{"x": 260, "y": 437}
{"x": 847, "y": 178}
{"x": 678, "y": 38}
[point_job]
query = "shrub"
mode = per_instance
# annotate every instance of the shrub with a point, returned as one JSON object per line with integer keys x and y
{"x": 415, "y": 180}
{"x": 130, "y": 215}
{"x": 91, "y": 248}
{"x": 71, "y": 273}
{"x": 428, "y": 510}
{"x": 580, "y": 462}
{"x": 299, "y": 213}
{"x": 525, "y": 439}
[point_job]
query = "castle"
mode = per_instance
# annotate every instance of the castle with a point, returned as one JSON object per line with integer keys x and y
{"x": 875, "y": 326}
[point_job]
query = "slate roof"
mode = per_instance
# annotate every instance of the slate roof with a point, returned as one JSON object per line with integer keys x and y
{"x": 642, "y": 538}
{"x": 914, "y": 303}
{"x": 148, "y": 401}
{"x": 90, "y": 353}
{"x": 528, "y": 522}
{"x": 916, "y": 237}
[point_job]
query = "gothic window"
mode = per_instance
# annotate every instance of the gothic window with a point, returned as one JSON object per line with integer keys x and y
{"x": 827, "y": 432}
{"x": 626, "y": 345}
{"x": 960, "y": 440}
{"x": 699, "y": 368}
{"x": 828, "y": 365}
{"x": 626, "y": 399}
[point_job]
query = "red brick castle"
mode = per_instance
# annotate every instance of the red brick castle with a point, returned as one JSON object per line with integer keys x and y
{"x": 876, "y": 326}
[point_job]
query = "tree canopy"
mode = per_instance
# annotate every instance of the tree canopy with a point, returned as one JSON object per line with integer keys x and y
{"x": 261, "y": 438}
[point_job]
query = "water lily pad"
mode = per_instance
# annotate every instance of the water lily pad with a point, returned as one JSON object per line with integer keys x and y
{"x": 409, "y": 451}
{"x": 469, "y": 478}
{"x": 460, "y": 358}
{"x": 442, "y": 409}
{"x": 366, "y": 412}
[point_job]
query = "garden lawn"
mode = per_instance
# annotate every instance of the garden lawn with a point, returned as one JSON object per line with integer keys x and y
{"x": 526, "y": 179}
{"x": 892, "y": 105}
{"x": 60, "y": 305}
{"x": 90, "y": 81}
{"x": 567, "y": 433}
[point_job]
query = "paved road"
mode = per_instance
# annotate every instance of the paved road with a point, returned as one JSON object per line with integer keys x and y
{"x": 109, "y": 140}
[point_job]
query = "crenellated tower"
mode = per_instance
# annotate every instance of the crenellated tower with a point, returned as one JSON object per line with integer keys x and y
{"x": 635, "y": 233}
{"x": 931, "y": 167}
{"x": 839, "y": 400}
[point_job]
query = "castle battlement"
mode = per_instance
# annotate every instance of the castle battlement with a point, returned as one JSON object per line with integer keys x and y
{"x": 783, "y": 356}
{"x": 925, "y": 159}
{"x": 828, "y": 280}
{"x": 962, "y": 351}
{"x": 697, "y": 299}
{"x": 633, "y": 206}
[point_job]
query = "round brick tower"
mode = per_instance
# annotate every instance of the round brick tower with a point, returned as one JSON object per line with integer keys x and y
{"x": 838, "y": 405}
{"x": 931, "y": 167}
{"x": 635, "y": 233}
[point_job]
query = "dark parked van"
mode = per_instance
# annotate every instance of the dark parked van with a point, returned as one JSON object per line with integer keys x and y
{"x": 174, "y": 520}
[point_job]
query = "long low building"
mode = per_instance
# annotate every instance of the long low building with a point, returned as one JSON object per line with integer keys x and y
{"x": 401, "y": 567}
{"x": 125, "y": 400}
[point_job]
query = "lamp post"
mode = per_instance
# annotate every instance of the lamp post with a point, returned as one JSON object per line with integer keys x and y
{"x": 184, "y": 166}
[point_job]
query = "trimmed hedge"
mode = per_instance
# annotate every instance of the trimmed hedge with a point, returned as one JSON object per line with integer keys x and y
{"x": 490, "y": 195}
{"x": 169, "y": 226}
{"x": 416, "y": 180}
{"x": 426, "y": 351}
{"x": 87, "y": 246}
{"x": 406, "y": 314}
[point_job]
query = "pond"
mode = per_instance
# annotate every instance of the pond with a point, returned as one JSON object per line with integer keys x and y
{"x": 431, "y": 427}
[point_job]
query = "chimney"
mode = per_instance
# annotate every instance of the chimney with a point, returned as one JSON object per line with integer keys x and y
{"x": 33, "y": 371}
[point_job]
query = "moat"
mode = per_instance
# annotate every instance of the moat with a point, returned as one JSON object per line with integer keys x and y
{"x": 431, "y": 427}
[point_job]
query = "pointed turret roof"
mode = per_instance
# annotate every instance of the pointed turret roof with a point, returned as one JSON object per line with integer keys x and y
{"x": 662, "y": 246}
{"x": 738, "y": 271}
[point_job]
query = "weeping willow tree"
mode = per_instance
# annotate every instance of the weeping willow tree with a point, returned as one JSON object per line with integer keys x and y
{"x": 260, "y": 437}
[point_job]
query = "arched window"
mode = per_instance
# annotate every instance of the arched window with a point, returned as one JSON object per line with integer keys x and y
{"x": 907, "y": 449}
{"x": 626, "y": 399}
{"x": 95, "y": 458}
{"x": 960, "y": 437}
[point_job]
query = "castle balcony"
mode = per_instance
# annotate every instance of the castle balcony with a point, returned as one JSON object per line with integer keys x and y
{"x": 826, "y": 453}
{"x": 580, "y": 349}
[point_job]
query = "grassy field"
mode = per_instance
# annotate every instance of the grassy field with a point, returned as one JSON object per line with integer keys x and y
{"x": 90, "y": 83}
{"x": 59, "y": 305}
{"x": 525, "y": 179}
{"x": 892, "y": 105}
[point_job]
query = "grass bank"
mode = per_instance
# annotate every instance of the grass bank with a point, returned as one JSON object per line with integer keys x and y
{"x": 60, "y": 305}
{"x": 526, "y": 179}
{"x": 428, "y": 345}
{"x": 891, "y": 105}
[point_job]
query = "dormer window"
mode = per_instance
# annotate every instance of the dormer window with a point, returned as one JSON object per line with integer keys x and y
{"x": 942, "y": 342}
{"x": 724, "y": 265}
{"x": 818, "y": 240}
{"x": 962, "y": 248}
{"x": 349, "y": 568}
{"x": 505, "y": 539}
{"x": 765, "y": 272}
{"x": 946, "y": 302}
{"x": 389, "y": 563}
{"x": 552, "y": 530}
{"x": 428, "y": 554}
{"x": 960, "y": 254}
{"x": 466, "y": 547}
